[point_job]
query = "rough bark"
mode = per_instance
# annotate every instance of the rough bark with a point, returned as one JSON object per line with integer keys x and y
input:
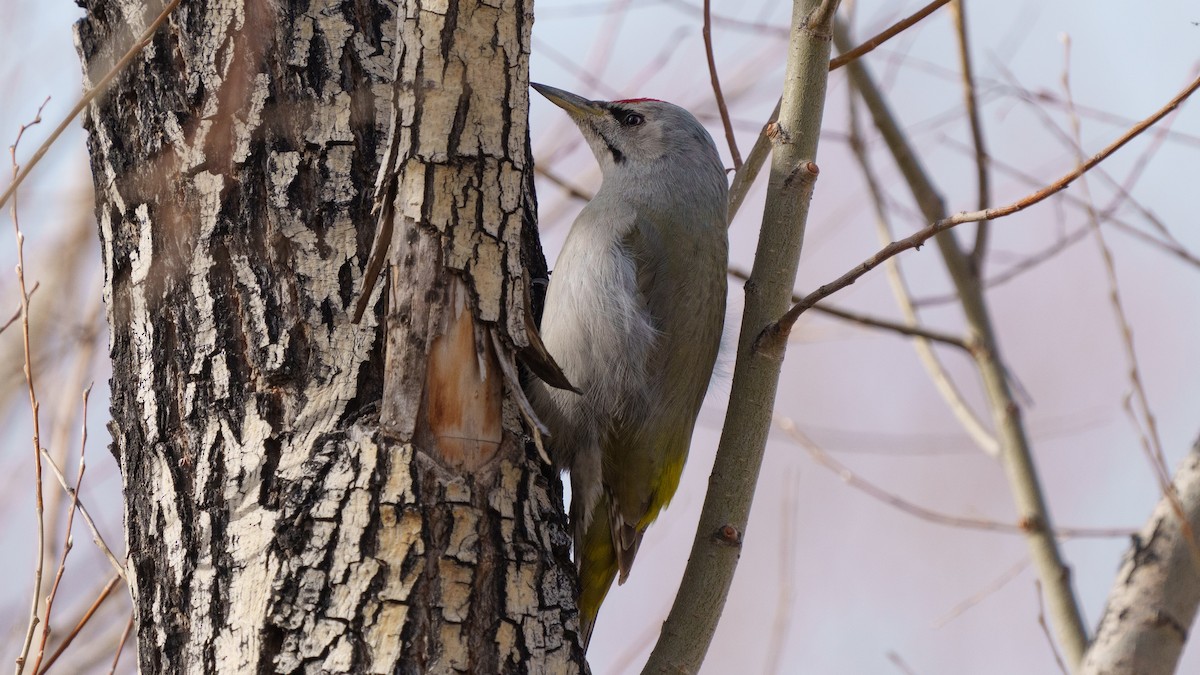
{"x": 1153, "y": 602}
{"x": 303, "y": 493}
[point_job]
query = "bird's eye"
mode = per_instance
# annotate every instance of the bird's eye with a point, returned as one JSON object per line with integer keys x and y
{"x": 633, "y": 120}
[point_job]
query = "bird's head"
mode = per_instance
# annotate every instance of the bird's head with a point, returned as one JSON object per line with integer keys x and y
{"x": 636, "y": 134}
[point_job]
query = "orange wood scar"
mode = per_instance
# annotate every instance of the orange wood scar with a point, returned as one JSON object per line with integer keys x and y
{"x": 462, "y": 403}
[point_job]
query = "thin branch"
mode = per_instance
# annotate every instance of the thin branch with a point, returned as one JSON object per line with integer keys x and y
{"x": 87, "y": 98}
{"x": 567, "y": 187}
{"x": 744, "y": 178}
{"x": 1019, "y": 464}
{"x": 1150, "y": 440}
{"x": 875, "y": 322}
{"x": 958, "y": 10}
{"x": 1048, "y": 97}
{"x": 889, "y": 33}
{"x": 118, "y": 567}
{"x": 919, "y": 238}
{"x": 17, "y": 314}
{"x": 929, "y": 515}
{"x": 716, "y": 85}
{"x": 897, "y": 661}
{"x": 67, "y": 543}
{"x": 83, "y": 620}
{"x": 39, "y": 506}
{"x": 786, "y": 591}
{"x": 1123, "y": 195}
{"x": 1016, "y": 269}
{"x": 1171, "y": 245}
{"x": 933, "y": 365}
{"x": 993, "y": 587}
{"x": 121, "y": 644}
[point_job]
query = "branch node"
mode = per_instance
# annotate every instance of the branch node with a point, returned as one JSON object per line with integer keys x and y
{"x": 774, "y": 131}
{"x": 807, "y": 171}
{"x": 729, "y": 535}
{"x": 1031, "y": 524}
{"x": 771, "y": 341}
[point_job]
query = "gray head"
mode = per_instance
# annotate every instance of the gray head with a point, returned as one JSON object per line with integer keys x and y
{"x": 636, "y": 134}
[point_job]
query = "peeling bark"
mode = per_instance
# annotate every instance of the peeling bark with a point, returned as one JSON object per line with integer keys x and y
{"x": 303, "y": 493}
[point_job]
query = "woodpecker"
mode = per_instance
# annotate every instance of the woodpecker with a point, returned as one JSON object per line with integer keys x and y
{"x": 633, "y": 315}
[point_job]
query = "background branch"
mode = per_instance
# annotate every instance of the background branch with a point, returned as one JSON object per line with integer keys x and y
{"x": 1010, "y": 430}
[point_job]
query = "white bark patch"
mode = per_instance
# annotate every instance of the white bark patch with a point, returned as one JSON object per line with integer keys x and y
{"x": 331, "y": 124}
{"x": 244, "y": 128}
{"x": 339, "y": 161}
{"x": 249, "y": 533}
{"x": 337, "y": 31}
{"x": 160, "y": 472}
{"x": 281, "y": 172}
{"x": 301, "y": 42}
{"x": 203, "y": 69}
{"x": 142, "y": 332}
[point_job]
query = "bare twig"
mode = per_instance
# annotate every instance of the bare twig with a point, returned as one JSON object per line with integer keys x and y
{"x": 572, "y": 190}
{"x": 1150, "y": 440}
{"x": 1018, "y": 461}
{"x": 919, "y": 238}
{"x": 933, "y": 365}
{"x": 889, "y": 33}
{"x": 982, "y": 172}
{"x": 1122, "y": 188}
{"x": 118, "y": 567}
{"x": 996, "y": 584}
{"x": 786, "y": 591}
{"x": 716, "y": 85}
{"x": 87, "y": 98}
{"x": 39, "y": 506}
{"x": 874, "y": 322}
{"x": 866, "y": 487}
{"x": 898, "y": 661}
{"x": 121, "y": 644}
{"x": 67, "y": 543}
{"x": 65, "y": 409}
{"x": 745, "y": 175}
{"x": 83, "y": 620}
{"x": 1016, "y": 269}
{"x": 17, "y": 314}
{"x": 1047, "y": 97}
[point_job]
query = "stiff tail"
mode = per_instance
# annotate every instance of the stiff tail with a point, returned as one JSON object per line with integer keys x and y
{"x": 606, "y": 547}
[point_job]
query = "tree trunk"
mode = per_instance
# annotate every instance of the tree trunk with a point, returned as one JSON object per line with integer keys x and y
{"x": 304, "y": 493}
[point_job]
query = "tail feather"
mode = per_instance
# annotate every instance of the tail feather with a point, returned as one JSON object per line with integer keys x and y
{"x": 626, "y": 538}
{"x": 597, "y": 560}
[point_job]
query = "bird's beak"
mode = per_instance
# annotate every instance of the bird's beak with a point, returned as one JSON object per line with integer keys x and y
{"x": 576, "y": 106}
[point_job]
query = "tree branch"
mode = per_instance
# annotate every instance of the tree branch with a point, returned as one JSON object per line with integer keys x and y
{"x": 929, "y": 359}
{"x": 875, "y": 322}
{"x": 716, "y": 85}
{"x": 1153, "y": 602}
{"x": 982, "y": 173}
{"x": 1010, "y": 431}
{"x": 919, "y": 238}
{"x": 746, "y": 174}
{"x": 692, "y": 621}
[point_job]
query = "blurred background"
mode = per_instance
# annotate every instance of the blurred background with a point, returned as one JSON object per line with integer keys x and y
{"x": 835, "y": 578}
